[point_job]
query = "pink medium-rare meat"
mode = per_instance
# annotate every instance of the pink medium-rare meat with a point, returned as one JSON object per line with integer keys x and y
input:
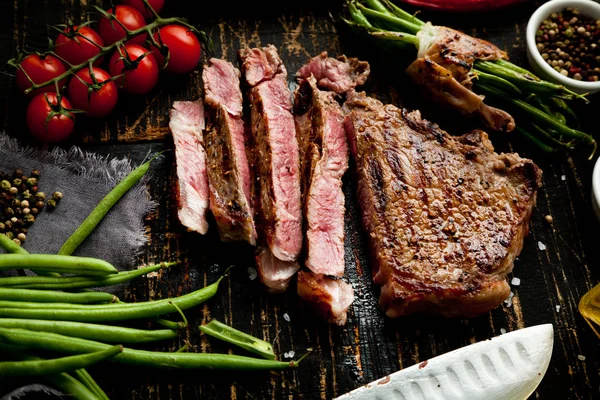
{"x": 339, "y": 74}
{"x": 445, "y": 216}
{"x": 324, "y": 160}
{"x": 228, "y": 170}
{"x": 275, "y": 146}
{"x": 186, "y": 122}
{"x": 274, "y": 273}
{"x": 330, "y": 298}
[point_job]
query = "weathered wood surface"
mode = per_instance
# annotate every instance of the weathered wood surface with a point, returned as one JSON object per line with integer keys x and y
{"x": 369, "y": 346}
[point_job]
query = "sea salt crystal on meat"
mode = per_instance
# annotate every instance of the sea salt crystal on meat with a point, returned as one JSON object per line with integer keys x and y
{"x": 557, "y": 308}
{"x": 286, "y": 317}
{"x": 252, "y": 274}
{"x": 515, "y": 281}
{"x": 508, "y": 301}
{"x": 502, "y": 331}
{"x": 541, "y": 246}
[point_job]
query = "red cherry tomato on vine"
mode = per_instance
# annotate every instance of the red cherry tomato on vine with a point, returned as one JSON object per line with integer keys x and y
{"x": 132, "y": 19}
{"x": 48, "y": 122}
{"x": 139, "y": 77}
{"x": 156, "y": 5}
{"x": 76, "y": 44}
{"x": 183, "y": 45}
{"x": 40, "y": 69}
{"x": 103, "y": 97}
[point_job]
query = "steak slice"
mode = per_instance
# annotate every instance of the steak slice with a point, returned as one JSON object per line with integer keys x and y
{"x": 274, "y": 273}
{"x": 228, "y": 169}
{"x": 339, "y": 74}
{"x": 330, "y": 298}
{"x": 324, "y": 159}
{"x": 445, "y": 216}
{"x": 273, "y": 133}
{"x": 186, "y": 122}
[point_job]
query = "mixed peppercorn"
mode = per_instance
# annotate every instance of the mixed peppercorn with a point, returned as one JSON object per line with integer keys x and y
{"x": 21, "y": 202}
{"x": 570, "y": 43}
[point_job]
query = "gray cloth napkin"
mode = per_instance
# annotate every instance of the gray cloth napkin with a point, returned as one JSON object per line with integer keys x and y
{"x": 84, "y": 178}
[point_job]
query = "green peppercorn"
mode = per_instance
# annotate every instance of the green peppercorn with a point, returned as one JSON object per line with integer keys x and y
{"x": 5, "y": 185}
{"x": 17, "y": 182}
{"x": 31, "y": 182}
{"x": 51, "y": 204}
{"x": 2, "y": 227}
{"x": 8, "y": 224}
{"x": 17, "y": 241}
{"x": 15, "y": 202}
{"x": 10, "y": 235}
{"x": 29, "y": 219}
{"x": 40, "y": 196}
{"x": 26, "y": 195}
{"x": 57, "y": 196}
{"x": 9, "y": 211}
{"x": 35, "y": 173}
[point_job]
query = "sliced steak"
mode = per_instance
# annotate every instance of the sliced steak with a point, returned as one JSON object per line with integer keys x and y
{"x": 228, "y": 169}
{"x": 274, "y": 273}
{"x": 186, "y": 122}
{"x": 324, "y": 159}
{"x": 330, "y": 298}
{"x": 339, "y": 74}
{"x": 445, "y": 216}
{"x": 273, "y": 134}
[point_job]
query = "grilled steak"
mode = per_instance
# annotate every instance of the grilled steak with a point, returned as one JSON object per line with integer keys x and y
{"x": 324, "y": 160}
{"x": 186, "y": 122}
{"x": 228, "y": 169}
{"x": 279, "y": 220}
{"x": 339, "y": 74}
{"x": 444, "y": 67}
{"x": 328, "y": 297}
{"x": 445, "y": 216}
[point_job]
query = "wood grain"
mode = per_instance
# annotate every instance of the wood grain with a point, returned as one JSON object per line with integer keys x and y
{"x": 369, "y": 346}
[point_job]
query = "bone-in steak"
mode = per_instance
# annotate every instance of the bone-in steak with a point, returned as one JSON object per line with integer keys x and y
{"x": 445, "y": 216}
{"x": 228, "y": 169}
{"x": 186, "y": 122}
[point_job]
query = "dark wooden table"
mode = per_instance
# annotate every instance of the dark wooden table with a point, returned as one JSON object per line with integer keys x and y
{"x": 369, "y": 346}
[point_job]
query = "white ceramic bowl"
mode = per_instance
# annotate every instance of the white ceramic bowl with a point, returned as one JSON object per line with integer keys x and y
{"x": 539, "y": 66}
{"x": 596, "y": 189}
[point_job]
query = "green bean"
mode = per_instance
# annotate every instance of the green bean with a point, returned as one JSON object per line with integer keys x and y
{"x": 248, "y": 342}
{"x": 382, "y": 20}
{"x": 507, "y": 64}
{"x": 153, "y": 359}
{"x": 110, "y": 312}
{"x": 103, "y": 333}
{"x": 400, "y": 13}
{"x": 56, "y": 263}
{"x": 170, "y": 324}
{"x": 396, "y": 36}
{"x": 94, "y": 218}
{"x": 358, "y": 16}
{"x": 560, "y": 103}
{"x": 79, "y": 282}
{"x": 527, "y": 82}
{"x": 533, "y": 139}
{"x": 67, "y": 384}
{"x": 46, "y": 296}
{"x": 10, "y": 246}
{"x": 57, "y": 365}
{"x": 86, "y": 379}
{"x": 500, "y": 83}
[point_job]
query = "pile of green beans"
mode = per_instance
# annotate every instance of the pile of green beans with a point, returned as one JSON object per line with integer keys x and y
{"x": 56, "y": 311}
{"x": 540, "y": 108}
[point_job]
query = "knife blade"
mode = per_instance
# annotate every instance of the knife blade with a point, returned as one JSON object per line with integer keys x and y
{"x": 505, "y": 367}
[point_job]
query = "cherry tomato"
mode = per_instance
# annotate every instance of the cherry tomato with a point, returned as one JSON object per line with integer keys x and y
{"x": 76, "y": 44}
{"x": 183, "y": 45}
{"x": 132, "y": 19}
{"x": 48, "y": 122}
{"x": 141, "y": 75}
{"x": 103, "y": 97}
{"x": 156, "y": 5}
{"x": 40, "y": 69}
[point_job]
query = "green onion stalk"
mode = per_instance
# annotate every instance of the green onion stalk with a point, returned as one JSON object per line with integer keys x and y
{"x": 540, "y": 108}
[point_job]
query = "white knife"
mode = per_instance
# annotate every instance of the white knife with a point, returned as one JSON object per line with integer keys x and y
{"x": 506, "y": 367}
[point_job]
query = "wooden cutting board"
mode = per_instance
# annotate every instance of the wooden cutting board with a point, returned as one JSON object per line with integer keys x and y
{"x": 369, "y": 346}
